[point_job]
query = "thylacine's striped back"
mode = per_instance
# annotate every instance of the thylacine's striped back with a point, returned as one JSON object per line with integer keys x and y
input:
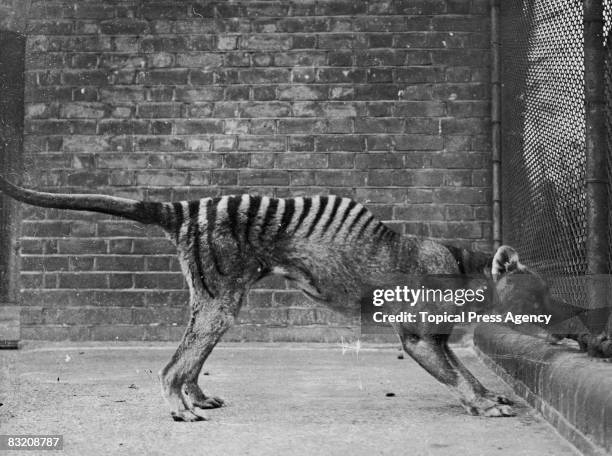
{"x": 224, "y": 236}
{"x": 258, "y": 220}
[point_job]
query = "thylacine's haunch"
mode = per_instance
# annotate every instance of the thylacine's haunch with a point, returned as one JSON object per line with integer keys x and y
{"x": 332, "y": 248}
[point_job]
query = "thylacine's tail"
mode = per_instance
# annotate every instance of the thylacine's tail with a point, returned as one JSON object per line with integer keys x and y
{"x": 146, "y": 212}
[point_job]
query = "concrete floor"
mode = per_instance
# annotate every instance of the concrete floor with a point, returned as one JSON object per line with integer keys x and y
{"x": 281, "y": 400}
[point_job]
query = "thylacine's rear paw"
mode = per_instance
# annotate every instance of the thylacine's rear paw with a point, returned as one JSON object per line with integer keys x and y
{"x": 499, "y": 410}
{"x": 198, "y": 399}
{"x": 489, "y": 408}
{"x": 498, "y": 398}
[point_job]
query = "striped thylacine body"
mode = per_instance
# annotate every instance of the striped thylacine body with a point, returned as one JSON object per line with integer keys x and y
{"x": 237, "y": 235}
{"x": 332, "y": 248}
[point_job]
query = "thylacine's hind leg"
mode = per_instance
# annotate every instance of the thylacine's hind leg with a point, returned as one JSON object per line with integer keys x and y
{"x": 208, "y": 323}
{"x": 434, "y": 355}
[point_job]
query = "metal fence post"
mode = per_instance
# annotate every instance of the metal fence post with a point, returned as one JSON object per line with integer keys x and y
{"x": 496, "y": 124}
{"x": 596, "y": 176}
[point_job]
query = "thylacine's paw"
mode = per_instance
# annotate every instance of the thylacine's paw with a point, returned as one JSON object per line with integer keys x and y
{"x": 598, "y": 346}
{"x": 206, "y": 402}
{"x": 498, "y": 398}
{"x": 499, "y": 410}
{"x": 489, "y": 408}
{"x": 187, "y": 415}
{"x": 197, "y": 398}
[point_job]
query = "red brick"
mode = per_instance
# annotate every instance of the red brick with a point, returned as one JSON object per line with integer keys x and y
{"x": 44, "y": 263}
{"x": 83, "y": 280}
{"x": 463, "y": 230}
{"x": 266, "y": 42}
{"x": 199, "y": 94}
{"x": 302, "y": 126}
{"x": 301, "y": 161}
{"x": 302, "y": 92}
{"x": 154, "y": 280}
{"x": 262, "y": 143}
{"x": 200, "y": 126}
{"x": 347, "y": 143}
{"x": 267, "y": 177}
{"x": 370, "y": 161}
{"x": 124, "y": 26}
{"x": 379, "y": 125}
{"x": 461, "y": 195}
{"x": 340, "y": 178}
{"x": 265, "y": 109}
{"x": 153, "y": 110}
{"x": 81, "y": 246}
{"x": 119, "y": 263}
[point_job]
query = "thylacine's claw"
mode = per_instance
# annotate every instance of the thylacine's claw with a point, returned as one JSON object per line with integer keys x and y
{"x": 195, "y": 397}
{"x": 499, "y": 410}
{"x": 187, "y": 416}
{"x": 499, "y": 398}
{"x": 209, "y": 403}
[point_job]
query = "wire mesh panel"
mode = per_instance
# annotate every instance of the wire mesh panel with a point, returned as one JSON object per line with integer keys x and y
{"x": 607, "y": 13}
{"x": 543, "y": 122}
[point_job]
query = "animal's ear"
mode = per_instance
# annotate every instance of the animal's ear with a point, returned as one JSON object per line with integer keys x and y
{"x": 506, "y": 260}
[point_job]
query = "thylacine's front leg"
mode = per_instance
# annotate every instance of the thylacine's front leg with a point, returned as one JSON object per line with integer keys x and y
{"x": 434, "y": 355}
{"x": 472, "y": 380}
{"x": 208, "y": 323}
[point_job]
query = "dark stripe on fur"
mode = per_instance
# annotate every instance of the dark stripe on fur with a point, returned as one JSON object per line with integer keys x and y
{"x": 194, "y": 230}
{"x": 305, "y": 211}
{"x": 287, "y": 216}
{"x": 179, "y": 220}
{"x": 253, "y": 209}
{"x": 365, "y": 226}
{"x": 379, "y": 228}
{"x": 270, "y": 215}
{"x": 358, "y": 217}
{"x": 332, "y": 215}
{"x": 345, "y": 215}
{"x": 322, "y": 205}
{"x": 211, "y": 220}
{"x": 233, "y": 204}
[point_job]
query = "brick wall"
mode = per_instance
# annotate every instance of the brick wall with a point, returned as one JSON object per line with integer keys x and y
{"x": 13, "y": 15}
{"x": 384, "y": 101}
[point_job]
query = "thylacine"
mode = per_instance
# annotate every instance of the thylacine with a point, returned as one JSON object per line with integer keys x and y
{"x": 332, "y": 248}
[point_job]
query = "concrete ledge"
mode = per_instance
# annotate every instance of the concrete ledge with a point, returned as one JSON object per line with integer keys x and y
{"x": 9, "y": 326}
{"x": 572, "y": 391}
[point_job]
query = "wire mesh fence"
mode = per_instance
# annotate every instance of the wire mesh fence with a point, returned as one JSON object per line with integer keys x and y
{"x": 607, "y": 16}
{"x": 543, "y": 131}
{"x": 543, "y": 139}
